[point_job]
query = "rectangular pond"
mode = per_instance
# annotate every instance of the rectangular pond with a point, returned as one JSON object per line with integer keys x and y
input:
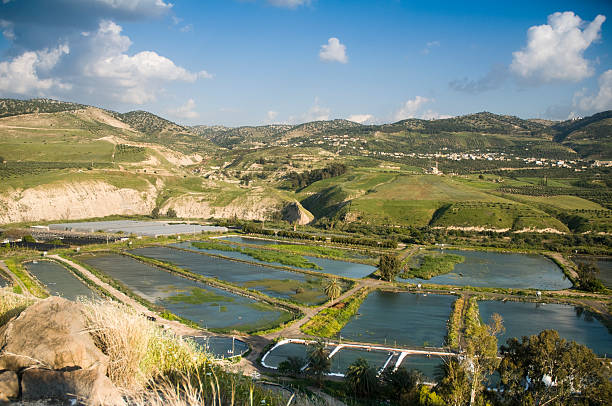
{"x": 405, "y": 319}
{"x": 572, "y": 323}
{"x": 331, "y": 266}
{"x": 207, "y": 306}
{"x": 59, "y": 281}
{"x": 295, "y": 286}
{"x": 502, "y": 270}
{"x": 347, "y": 355}
{"x": 603, "y": 263}
{"x": 428, "y": 366}
{"x": 144, "y": 228}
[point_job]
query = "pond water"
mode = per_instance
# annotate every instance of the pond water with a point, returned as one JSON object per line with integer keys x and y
{"x": 405, "y": 319}
{"x": 147, "y": 228}
{"x": 603, "y": 263}
{"x": 494, "y": 269}
{"x": 59, "y": 281}
{"x": 427, "y": 365}
{"x": 273, "y": 282}
{"x": 283, "y": 352}
{"x": 330, "y": 266}
{"x": 572, "y": 323}
{"x": 207, "y": 306}
{"x": 221, "y": 347}
{"x": 346, "y": 356}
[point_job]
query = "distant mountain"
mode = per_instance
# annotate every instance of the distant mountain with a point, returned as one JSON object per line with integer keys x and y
{"x": 150, "y": 124}
{"x": 15, "y": 107}
{"x": 590, "y": 136}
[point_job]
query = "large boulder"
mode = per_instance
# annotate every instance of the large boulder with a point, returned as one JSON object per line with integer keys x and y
{"x": 88, "y": 385}
{"x": 9, "y": 386}
{"x": 51, "y": 334}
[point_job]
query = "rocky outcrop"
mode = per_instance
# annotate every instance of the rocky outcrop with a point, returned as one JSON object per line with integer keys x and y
{"x": 52, "y": 355}
{"x": 296, "y": 214}
{"x": 254, "y": 206}
{"x": 74, "y": 200}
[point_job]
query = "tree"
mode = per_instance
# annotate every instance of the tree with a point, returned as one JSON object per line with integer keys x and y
{"x": 319, "y": 363}
{"x": 389, "y": 266}
{"x": 292, "y": 366}
{"x": 481, "y": 353}
{"x": 333, "y": 289}
{"x": 545, "y": 369}
{"x": 453, "y": 383}
{"x": 401, "y": 384}
{"x": 28, "y": 239}
{"x": 155, "y": 213}
{"x": 171, "y": 213}
{"x": 361, "y": 378}
{"x": 588, "y": 278}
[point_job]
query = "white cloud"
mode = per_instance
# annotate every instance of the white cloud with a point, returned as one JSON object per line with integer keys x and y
{"x": 135, "y": 78}
{"x": 333, "y": 51}
{"x": 271, "y": 115}
{"x": 137, "y": 6}
{"x": 554, "y": 51}
{"x": 429, "y": 46}
{"x": 361, "y": 118}
{"x": 316, "y": 112}
{"x": 186, "y": 110}
{"x": 288, "y": 3}
{"x": 7, "y": 29}
{"x": 21, "y": 75}
{"x": 597, "y": 102}
{"x": 414, "y": 109}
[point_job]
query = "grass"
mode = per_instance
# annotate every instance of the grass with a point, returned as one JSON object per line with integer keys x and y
{"x": 12, "y": 304}
{"x": 433, "y": 265}
{"x": 309, "y": 291}
{"x": 260, "y": 254}
{"x": 330, "y": 321}
{"x": 454, "y": 323}
{"x": 14, "y": 265}
{"x": 198, "y": 296}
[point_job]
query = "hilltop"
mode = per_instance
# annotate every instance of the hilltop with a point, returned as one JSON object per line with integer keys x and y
{"x": 480, "y": 171}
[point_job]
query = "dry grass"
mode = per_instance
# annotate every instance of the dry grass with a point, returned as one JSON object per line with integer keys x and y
{"x": 139, "y": 351}
{"x": 12, "y": 304}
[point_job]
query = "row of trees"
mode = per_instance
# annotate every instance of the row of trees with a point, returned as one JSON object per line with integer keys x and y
{"x": 301, "y": 180}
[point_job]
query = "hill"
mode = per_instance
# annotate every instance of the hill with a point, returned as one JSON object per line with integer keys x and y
{"x": 14, "y": 107}
{"x": 590, "y": 136}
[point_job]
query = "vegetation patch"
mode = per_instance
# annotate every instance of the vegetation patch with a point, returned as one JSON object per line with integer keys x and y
{"x": 330, "y": 321}
{"x": 198, "y": 296}
{"x": 284, "y": 258}
{"x": 14, "y": 265}
{"x": 433, "y": 265}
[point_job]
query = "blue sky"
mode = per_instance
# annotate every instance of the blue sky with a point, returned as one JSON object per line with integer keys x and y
{"x": 243, "y": 62}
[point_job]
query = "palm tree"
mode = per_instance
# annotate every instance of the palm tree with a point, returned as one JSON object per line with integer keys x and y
{"x": 333, "y": 289}
{"x": 361, "y": 378}
{"x": 318, "y": 360}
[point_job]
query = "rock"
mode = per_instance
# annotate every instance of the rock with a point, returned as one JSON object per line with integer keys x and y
{"x": 89, "y": 385}
{"x": 295, "y": 213}
{"x": 9, "y": 386}
{"x": 50, "y": 334}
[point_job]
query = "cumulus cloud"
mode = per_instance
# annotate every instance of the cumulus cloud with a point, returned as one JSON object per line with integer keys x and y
{"x": 271, "y": 116}
{"x": 414, "y": 108}
{"x": 600, "y": 101}
{"x": 429, "y": 46}
{"x": 187, "y": 110}
{"x": 7, "y": 29}
{"x": 22, "y": 75}
{"x": 333, "y": 51}
{"x": 361, "y": 118}
{"x": 288, "y": 3}
{"x": 554, "y": 51}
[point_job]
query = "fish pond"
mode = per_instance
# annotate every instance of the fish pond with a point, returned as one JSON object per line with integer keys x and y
{"x": 59, "y": 281}
{"x": 344, "y": 357}
{"x": 207, "y": 306}
{"x": 220, "y": 346}
{"x": 428, "y": 366}
{"x": 295, "y": 286}
{"x": 282, "y": 352}
{"x": 494, "y": 269}
{"x": 573, "y": 323}
{"x": 603, "y": 263}
{"x": 400, "y": 319}
{"x": 331, "y": 266}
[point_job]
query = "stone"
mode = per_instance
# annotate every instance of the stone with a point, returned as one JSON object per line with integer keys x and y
{"x": 9, "y": 386}
{"x": 90, "y": 386}
{"x": 49, "y": 334}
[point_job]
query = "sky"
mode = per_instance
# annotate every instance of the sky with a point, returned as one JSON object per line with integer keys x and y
{"x": 255, "y": 62}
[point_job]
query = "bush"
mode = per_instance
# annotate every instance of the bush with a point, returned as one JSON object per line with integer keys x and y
{"x": 171, "y": 213}
{"x": 12, "y": 304}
